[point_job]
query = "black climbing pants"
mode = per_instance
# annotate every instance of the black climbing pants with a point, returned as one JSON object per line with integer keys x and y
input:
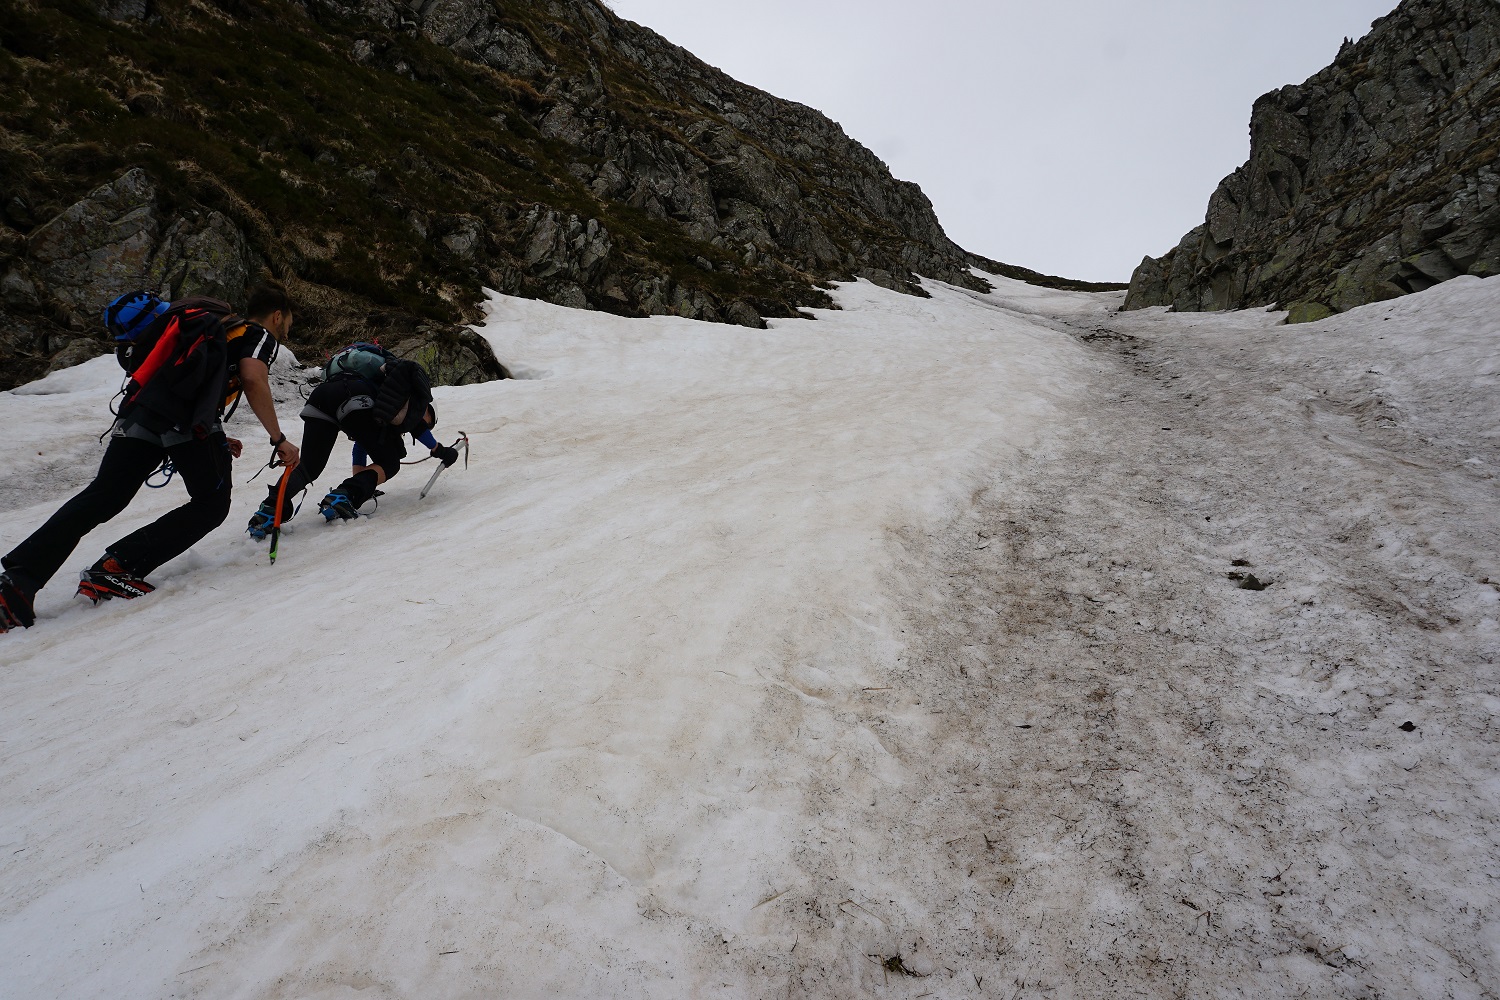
{"x": 204, "y": 467}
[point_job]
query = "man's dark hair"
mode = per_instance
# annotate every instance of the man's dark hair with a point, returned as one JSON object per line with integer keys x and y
{"x": 266, "y": 298}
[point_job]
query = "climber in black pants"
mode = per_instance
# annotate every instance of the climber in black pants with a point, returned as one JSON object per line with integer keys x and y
{"x": 375, "y": 416}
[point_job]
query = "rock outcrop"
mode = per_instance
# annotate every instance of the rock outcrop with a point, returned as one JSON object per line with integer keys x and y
{"x": 1375, "y": 178}
{"x": 118, "y": 238}
{"x": 771, "y": 185}
{"x": 389, "y": 159}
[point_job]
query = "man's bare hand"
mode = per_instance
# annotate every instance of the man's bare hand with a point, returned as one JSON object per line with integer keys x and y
{"x": 236, "y": 447}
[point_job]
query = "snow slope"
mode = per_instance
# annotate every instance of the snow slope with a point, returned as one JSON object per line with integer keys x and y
{"x": 709, "y": 676}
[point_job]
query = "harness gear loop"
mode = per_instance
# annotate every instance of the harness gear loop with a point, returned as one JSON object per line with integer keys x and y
{"x": 166, "y": 470}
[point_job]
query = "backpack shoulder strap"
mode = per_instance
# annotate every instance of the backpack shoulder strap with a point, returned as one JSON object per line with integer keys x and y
{"x": 206, "y": 304}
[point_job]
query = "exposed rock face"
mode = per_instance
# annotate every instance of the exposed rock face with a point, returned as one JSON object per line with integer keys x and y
{"x": 100, "y": 243}
{"x": 124, "y": 10}
{"x": 1375, "y": 178}
{"x": 117, "y": 239}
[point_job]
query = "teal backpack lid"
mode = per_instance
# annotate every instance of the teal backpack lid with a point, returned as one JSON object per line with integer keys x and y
{"x": 361, "y": 360}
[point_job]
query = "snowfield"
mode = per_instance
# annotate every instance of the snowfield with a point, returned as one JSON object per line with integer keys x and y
{"x": 902, "y": 653}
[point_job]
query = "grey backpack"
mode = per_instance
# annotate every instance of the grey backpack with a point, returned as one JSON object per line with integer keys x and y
{"x": 359, "y": 360}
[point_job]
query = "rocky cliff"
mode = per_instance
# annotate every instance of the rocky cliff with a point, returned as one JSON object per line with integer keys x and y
{"x": 389, "y": 159}
{"x": 1375, "y": 178}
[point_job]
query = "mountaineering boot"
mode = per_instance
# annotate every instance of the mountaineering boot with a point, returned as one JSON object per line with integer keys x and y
{"x": 15, "y": 605}
{"x": 261, "y": 521}
{"x": 109, "y": 578}
{"x": 345, "y": 499}
{"x": 337, "y": 504}
{"x": 265, "y": 515}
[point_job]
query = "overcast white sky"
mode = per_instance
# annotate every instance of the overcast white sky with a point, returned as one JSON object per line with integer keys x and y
{"x": 1069, "y": 136}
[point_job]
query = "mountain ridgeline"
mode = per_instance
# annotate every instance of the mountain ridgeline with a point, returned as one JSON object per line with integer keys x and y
{"x": 389, "y": 160}
{"x": 1375, "y": 178}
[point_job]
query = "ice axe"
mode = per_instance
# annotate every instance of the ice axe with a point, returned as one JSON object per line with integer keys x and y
{"x": 461, "y": 441}
{"x": 276, "y": 521}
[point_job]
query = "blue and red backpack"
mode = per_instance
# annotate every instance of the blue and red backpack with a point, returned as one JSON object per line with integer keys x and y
{"x": 126, "y": 318}
{"x": 176, "y": 357}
